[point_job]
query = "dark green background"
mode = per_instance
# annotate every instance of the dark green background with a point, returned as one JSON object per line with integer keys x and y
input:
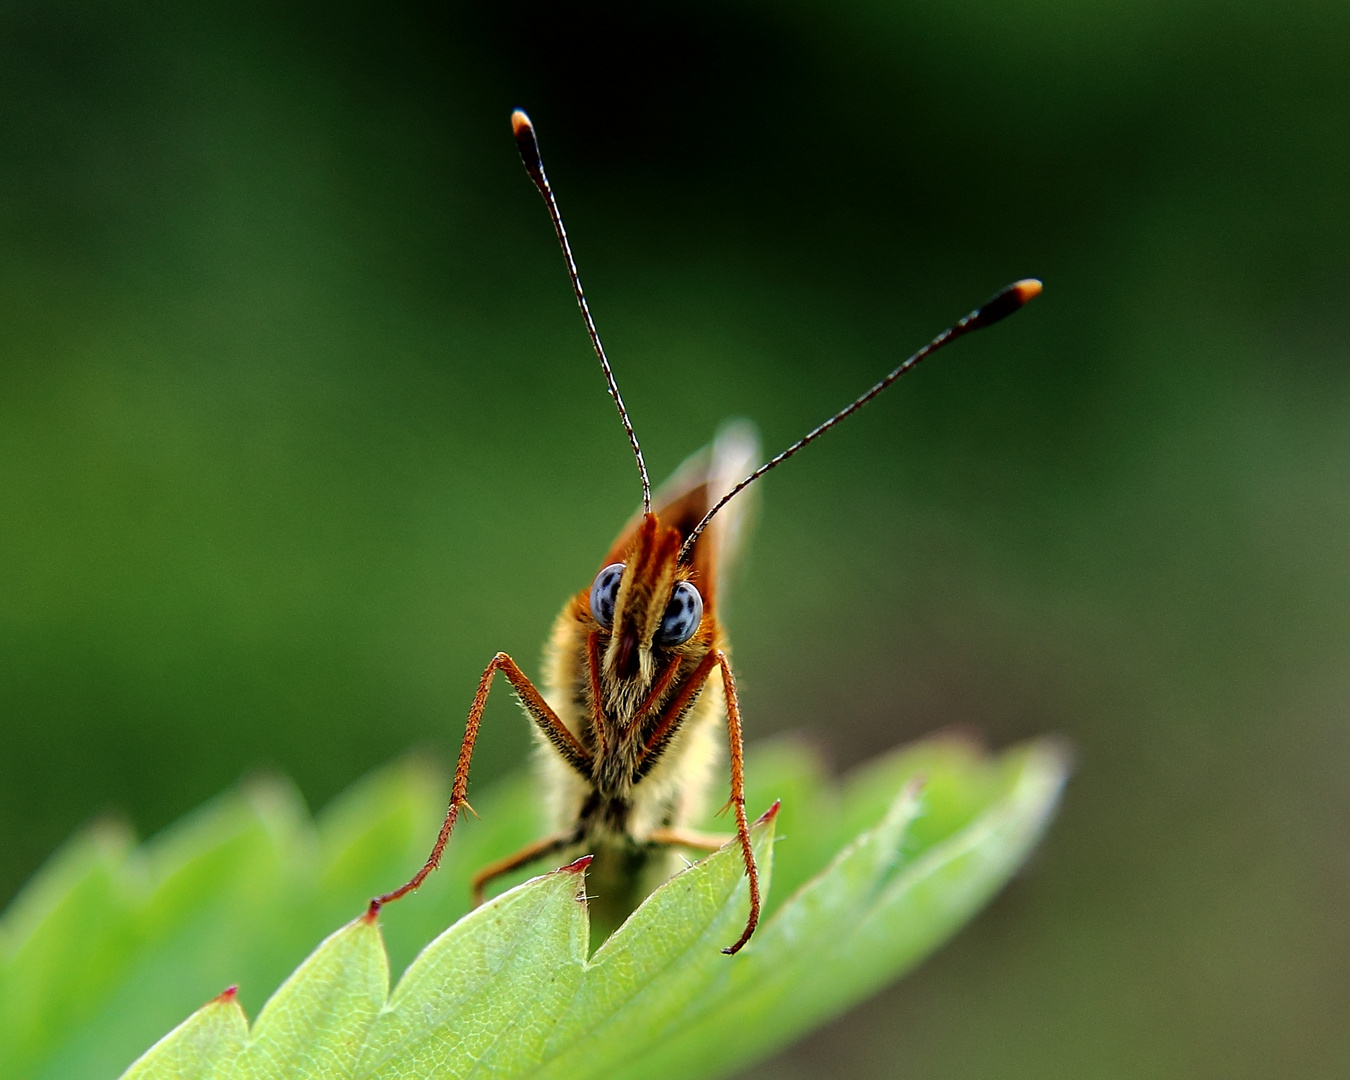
{"x": 298, "y": 426}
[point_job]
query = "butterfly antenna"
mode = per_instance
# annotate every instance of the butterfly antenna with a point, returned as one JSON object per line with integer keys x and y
{"x": 999, "y": 307}
{"x": 528, "y": 145}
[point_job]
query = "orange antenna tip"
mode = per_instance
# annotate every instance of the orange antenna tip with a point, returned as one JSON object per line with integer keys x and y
{"x": 1004, "y": 304}
{"x": 528, "y": 146}
{"x": 999, "y": 307}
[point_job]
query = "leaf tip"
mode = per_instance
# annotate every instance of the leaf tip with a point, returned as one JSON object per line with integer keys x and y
{"x": 226, "y": 996}
{"x": 578, "y": 866}
{"x": 1058, "y": 753}
{"x": 770, "y": 813}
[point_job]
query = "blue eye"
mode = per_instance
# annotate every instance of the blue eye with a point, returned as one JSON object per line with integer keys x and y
{"x": 682, "y": 617}
{"x": 605, "y": 593}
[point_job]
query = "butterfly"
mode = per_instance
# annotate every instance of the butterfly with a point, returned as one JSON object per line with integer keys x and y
{"x": 637, "y": 678}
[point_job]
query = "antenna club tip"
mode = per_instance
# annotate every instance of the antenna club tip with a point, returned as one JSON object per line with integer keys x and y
{"x": 528, "y": 145}
{"x": 1011, "y": 299}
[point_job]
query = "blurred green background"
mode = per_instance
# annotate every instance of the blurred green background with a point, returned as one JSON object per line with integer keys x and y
{"x": 298, "y": 426}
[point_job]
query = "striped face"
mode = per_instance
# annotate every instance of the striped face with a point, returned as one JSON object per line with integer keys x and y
{"x": 651, "y": 598}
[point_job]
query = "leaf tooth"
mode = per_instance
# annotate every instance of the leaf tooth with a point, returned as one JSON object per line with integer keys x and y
{"x": 205, "y": 1046}
{"x": 666, "y": 954}
{"x": 317, "y": 1022}
{"x": 489, "y": 990}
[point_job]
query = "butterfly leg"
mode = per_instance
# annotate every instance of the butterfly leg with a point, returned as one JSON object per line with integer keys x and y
{"x": 672, "y": 716}
{"x": 737, "y": 800}
{"x": 547, "y": 721}
{"x": 540, "y": 849}
{"x": 666, "y": 729}
{"x": 690, "y": 838}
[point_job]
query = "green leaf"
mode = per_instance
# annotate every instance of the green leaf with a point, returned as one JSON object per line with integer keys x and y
{"x": 108, "y": 944}
{"x": 666, "y": 955}
{"x": 315, "y": 1024}
{"x": 502, "y": 991}
{"x": 877, "y": 874}
{"x": 880, "y": 908}
{"x": 205, "y": 1046}
{"x": 488, "y": 987}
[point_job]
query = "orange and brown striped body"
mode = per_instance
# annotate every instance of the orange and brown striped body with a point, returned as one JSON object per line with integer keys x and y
{"x": 649, "y": 716}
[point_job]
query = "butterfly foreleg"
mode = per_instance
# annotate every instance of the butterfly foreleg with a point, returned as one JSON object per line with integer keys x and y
{"x": 554, "y": 730}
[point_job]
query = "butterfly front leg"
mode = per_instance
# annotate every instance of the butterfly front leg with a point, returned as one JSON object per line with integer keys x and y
{"x": 668, "y": 726}
{"x": 554, "y": 730}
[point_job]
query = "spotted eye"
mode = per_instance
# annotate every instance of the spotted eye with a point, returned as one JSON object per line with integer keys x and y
{"x": 605, "y": 593}
{"x": 682, "y": 617}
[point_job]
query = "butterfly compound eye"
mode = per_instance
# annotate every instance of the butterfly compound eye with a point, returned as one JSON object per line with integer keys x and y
{"x": 682, "y": 617}
{"x": 605, "y": 594}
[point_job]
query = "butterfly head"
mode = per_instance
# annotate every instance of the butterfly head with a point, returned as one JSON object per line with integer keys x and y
{"x": 645, "y": 605}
